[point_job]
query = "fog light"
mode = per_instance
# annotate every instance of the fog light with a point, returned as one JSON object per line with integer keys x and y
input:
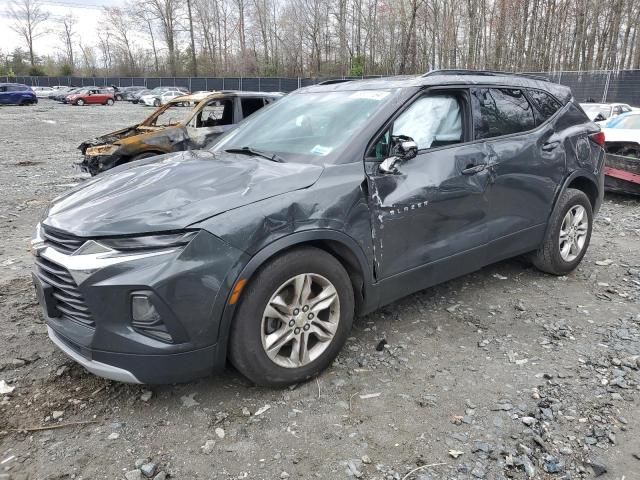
{"x": 143, "y": 311}
{"x": 146, "y": 319}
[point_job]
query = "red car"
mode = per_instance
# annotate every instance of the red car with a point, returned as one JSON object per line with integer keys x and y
{"x": 91, "y": 96}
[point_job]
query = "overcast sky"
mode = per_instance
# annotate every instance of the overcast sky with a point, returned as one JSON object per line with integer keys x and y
{"x": 88, "y": 13}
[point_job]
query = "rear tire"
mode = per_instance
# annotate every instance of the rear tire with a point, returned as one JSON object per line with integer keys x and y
{"x": 110, "y": 102}
{"x": 568, "y": 234}
{"x": 314, "y": 296}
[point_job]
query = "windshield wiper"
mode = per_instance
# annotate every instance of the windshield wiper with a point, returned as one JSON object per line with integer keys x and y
{"x": 274, "y": 157}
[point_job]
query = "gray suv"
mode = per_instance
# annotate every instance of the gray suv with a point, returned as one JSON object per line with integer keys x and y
{"x": 327, "y": 204}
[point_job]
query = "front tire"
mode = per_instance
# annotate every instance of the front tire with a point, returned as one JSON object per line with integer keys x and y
{"x": 110, "y": 102}
{"x": 293, "y": 318}
{"x": 80, "y": 102}
{"x": 157, "y": 103}
{"x": 568, "y": 234}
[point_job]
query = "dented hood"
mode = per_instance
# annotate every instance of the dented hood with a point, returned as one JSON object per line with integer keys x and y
{"x": 170, "y": 192}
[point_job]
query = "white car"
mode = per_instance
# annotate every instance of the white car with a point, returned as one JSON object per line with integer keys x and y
{"x": 162, "y": 99}
{"x": 601, "y": 112}
{"x": 622, "y": 134}
{"x": 43, "y": 92}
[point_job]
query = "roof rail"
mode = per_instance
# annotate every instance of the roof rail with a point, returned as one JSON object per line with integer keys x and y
{"x": 335, "y": 80}
{"x": 484, "y": 73}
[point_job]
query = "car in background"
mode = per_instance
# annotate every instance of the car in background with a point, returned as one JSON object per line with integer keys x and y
{"x": 149, "y": 98}
{"x": 174, "y": 127}
{"x": 61, "y": 95}
{"x": 17, "y": 94}
{"x": 43, "y": 92}
{"x": 622, "y": 134}
{"x": 599, "y": 112}
{"x": 134, "y": 97}
{"x": 162, "y": 99}
{"x": 622, "y": 143}
{"x": 91, "y": 96}
{"x": 328, "y": 204}
{"x": 126, "y": 93}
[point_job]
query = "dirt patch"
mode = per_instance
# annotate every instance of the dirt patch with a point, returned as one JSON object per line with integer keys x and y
{"x": 514, "y": 373}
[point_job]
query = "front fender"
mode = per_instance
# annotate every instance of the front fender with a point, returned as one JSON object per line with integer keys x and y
{"x": 282, "y": 244}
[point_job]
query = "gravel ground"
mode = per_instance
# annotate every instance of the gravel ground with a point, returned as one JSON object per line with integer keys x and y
{"x": 504, "y": 373}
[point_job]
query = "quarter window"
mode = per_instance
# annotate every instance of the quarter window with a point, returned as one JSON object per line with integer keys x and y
{"x": 251, "y": 105}
{"x": 544, "y": 103}
{"x": 500, "y": 111}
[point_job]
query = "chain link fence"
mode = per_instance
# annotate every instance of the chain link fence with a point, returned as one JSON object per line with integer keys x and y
{"x": 600, "y": 86}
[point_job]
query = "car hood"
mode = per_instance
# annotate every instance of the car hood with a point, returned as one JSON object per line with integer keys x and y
{"x": 173, "y": 191}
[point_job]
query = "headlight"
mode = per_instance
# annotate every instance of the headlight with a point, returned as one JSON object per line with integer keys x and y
{"x": 148, "y": 242}
{"x": 102, "y": 150}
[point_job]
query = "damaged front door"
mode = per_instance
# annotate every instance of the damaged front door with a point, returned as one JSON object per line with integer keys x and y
{"x": 215, "y": 118}
{"x": 432, "y": 207}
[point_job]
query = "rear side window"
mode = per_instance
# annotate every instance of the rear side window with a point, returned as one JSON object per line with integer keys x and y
{"x": 500, "y": 111}
{"x": 251, "y": 105}
{"x": 544, "y": 103}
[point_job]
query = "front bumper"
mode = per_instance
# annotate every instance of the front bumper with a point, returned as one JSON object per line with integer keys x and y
{"x": 95, "y": 164}
{"x": 187, "y": 285}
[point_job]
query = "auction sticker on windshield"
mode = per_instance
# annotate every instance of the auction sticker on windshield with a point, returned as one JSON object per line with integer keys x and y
{"x": 321, "y": 150}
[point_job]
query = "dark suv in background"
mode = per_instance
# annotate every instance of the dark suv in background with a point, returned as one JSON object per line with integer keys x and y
{"x": 17, "y": 94}
{"x": 329, "y": 203}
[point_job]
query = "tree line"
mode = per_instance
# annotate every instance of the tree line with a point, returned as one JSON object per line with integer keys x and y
{"x": 330, "y": 37}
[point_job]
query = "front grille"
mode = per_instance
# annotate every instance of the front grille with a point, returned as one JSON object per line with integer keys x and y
{"x": 61, "y": 241}
{"x": 69, "y": 301}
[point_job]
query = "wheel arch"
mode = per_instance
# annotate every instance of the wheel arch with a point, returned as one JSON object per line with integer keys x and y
{"x": 586, "y": 185}
{"x": 343, "y": 247}
{"x": 586, "y": 182}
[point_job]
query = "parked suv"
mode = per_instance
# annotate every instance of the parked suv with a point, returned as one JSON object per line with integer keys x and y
{"x": 329, "y": 203}
{"x": 17, "y": 94}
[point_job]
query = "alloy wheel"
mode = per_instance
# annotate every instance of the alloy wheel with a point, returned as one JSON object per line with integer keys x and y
{"x": 573, "y": 233}
{"x": 300, "y": 320}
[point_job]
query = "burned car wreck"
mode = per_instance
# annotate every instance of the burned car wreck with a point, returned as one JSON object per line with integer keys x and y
{"x": 332, "y": 202}
{"x": 185, "y": 123}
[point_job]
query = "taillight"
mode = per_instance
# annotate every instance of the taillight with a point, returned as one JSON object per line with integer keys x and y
{"x": 598, "y": 138}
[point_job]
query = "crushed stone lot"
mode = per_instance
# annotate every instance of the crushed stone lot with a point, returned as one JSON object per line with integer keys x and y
{"x": 504, "y": 373}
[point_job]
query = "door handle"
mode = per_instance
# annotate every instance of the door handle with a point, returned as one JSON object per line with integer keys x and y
{"x": 548, "y": 146}
{"x": 473, "y": 169}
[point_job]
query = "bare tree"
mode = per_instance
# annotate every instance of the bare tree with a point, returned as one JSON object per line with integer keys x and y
{"x": 168, "y": 14}
{"x": 28, "y": 20}
{"x": 120, "y": 24}
{"x": 194, "y": 55}
{"x": 67, "y": 34}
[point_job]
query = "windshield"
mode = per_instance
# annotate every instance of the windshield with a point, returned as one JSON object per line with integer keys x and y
{"x": 174, "y": 114}
{"x": 631, "y": 122}
{"x": 306, "y": 127}
{"x": 593, "y": 111}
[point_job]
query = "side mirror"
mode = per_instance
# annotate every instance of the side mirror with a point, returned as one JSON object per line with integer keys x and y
{"x": 404, "y": 148}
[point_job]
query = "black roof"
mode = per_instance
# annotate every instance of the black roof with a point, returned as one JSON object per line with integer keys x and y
{"x": 447, "y": 77}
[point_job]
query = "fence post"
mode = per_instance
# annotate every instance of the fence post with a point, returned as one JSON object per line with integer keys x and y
{"x": 606, "y": 87}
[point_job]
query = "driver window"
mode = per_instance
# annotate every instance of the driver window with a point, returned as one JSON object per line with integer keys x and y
{"x": 216, "y": 113}
{"x": 431, "y": 121}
